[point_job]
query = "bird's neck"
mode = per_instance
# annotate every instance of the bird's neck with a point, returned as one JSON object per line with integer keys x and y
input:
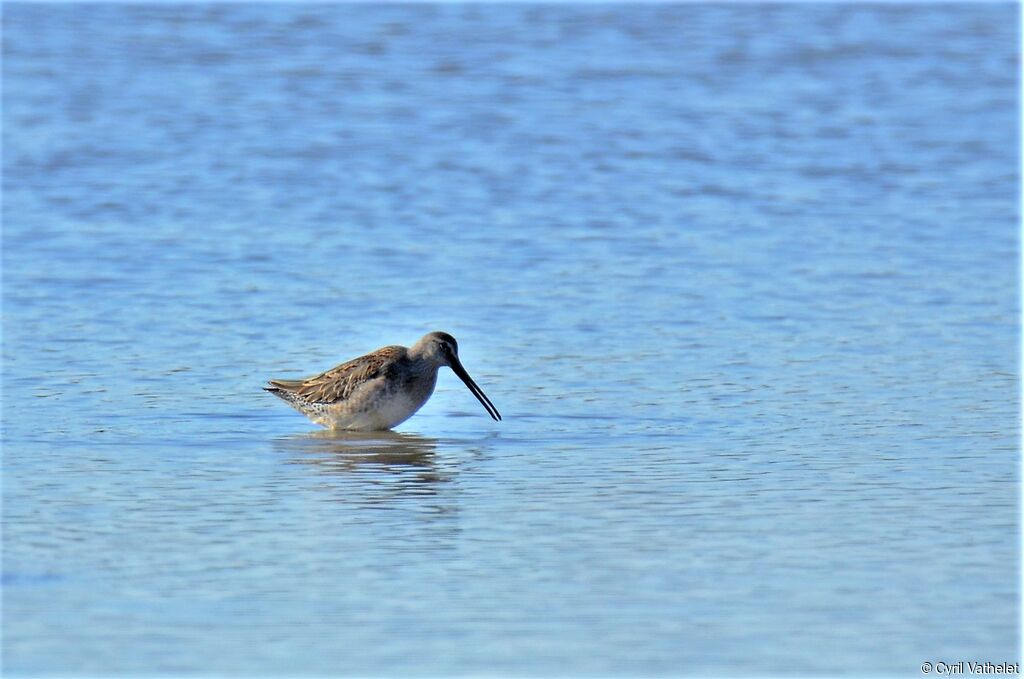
{"x": 421, "y": 365}
{"x": 421, "y": 357}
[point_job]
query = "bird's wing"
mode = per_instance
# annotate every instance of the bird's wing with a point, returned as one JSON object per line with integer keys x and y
{"x": 338, "y": 383}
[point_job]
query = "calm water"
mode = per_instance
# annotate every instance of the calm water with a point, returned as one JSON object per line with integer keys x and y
{"x": 742, "y": 281}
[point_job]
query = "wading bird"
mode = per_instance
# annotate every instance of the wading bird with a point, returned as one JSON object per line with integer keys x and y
{"x": 379, "y": 390}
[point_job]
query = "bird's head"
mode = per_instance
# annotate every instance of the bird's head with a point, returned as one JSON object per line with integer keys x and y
{"x": 441, "y": 349}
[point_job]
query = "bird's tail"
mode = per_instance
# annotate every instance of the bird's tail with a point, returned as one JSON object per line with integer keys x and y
{"x": 283, "y": 385}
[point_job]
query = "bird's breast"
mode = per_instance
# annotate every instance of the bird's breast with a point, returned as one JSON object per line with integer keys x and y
{"x": 390, "y": 405}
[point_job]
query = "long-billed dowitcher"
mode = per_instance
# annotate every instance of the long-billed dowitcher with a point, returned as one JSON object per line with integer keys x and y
{"x": 379, "y": 390}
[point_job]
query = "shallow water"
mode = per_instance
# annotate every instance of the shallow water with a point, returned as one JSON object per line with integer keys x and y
{"x": 742, "y": 281}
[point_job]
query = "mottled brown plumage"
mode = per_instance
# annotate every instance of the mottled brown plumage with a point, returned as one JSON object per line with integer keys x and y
{"x": 338, "y": 383}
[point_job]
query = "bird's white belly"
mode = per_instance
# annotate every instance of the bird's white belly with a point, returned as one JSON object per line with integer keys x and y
{"x": 385, "y": 412}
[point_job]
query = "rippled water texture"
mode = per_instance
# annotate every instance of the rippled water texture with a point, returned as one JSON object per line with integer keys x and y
{"x": 741, "y": 279}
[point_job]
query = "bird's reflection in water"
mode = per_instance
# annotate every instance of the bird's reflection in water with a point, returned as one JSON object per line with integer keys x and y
{"x": 348, "y": 449}
{"x": 384, "y": 465}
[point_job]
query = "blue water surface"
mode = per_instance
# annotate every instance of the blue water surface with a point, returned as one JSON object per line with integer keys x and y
{"x": 742, "y": 280}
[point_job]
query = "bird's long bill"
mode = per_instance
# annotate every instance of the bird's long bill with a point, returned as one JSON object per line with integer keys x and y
{"x": 477, "y": 391}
